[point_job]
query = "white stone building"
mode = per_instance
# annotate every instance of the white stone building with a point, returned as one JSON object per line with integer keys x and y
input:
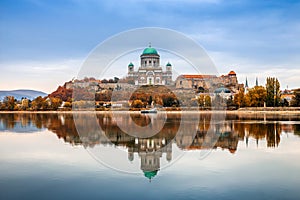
{"x": 150, "y": 71}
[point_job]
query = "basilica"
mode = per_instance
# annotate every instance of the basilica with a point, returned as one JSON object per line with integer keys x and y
{"x": 150, "y": 71}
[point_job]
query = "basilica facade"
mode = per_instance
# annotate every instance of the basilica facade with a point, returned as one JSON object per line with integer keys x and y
{"x": 150, "y": 71}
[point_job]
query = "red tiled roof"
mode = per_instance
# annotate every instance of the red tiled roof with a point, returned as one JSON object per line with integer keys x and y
{"x": 198, "y": 76}
{"x": 231, "y": 73}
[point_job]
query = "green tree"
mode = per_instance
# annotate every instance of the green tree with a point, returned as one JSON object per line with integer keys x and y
{"x": 270, "y": 91}
{"x": 273, "y": 92}
{"x": 256, "y": 96}
{"x": 277, "y": 93}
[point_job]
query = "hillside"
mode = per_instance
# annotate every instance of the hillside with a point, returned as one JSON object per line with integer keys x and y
{"x": 18, "y": 94}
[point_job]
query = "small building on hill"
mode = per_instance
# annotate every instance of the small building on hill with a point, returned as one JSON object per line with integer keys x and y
{"x": 208, "y": 83}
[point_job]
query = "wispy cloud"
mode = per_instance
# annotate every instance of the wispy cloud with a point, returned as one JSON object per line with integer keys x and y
{"x": 45, "y": 76}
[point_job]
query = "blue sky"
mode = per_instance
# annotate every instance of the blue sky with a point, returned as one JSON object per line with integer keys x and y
{"x": 43, "y": 43}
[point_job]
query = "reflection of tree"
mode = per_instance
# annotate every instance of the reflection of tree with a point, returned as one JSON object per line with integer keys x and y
{"x": 297, "y": 129}
{"x": 256, "y": 130}
{"x": 237, "y": 127}
{"x": 273, "y": 135}
{"x": 259, "y": 131}
{"x": 188, "y": 135}
{"x": 12, "y": 120}
{"x": 222, "y": 137}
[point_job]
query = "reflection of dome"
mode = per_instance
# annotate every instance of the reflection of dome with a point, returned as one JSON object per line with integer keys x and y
{"x": 232, "y": 151}
{"x": 222, "y": 89}
{"x": 150, "y": 50}
{"x": 168, "y": 64}
{"x": 150, "y": 174}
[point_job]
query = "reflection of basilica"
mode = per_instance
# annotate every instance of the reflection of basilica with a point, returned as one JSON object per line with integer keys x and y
{"x": 150, "y": 150}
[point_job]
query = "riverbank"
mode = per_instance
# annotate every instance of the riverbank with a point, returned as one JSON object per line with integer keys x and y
{"x": 284, "y": 111}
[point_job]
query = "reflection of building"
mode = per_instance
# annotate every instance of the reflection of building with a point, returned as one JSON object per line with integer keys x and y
{"x": 223, "y": 137}
{"x": 150, "y": 72}
{"x": 150, "y": 152}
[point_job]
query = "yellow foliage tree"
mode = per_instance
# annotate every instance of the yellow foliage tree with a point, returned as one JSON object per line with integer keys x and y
{"x": 256, "y": 96}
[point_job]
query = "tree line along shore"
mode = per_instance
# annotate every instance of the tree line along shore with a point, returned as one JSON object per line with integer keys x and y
{"x": 117, "y": 97}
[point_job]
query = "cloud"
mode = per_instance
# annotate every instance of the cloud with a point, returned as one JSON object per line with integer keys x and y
{"x": 254, "y": 38}
{"x": 287, "y": 72}
{"x": 43, "y": 75}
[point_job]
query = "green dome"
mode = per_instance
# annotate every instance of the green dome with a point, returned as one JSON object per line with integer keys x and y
{"x": 150, "y": 174}
{"x": 168, "y": 64}
{"x": 150, "y": 50}
{"x": 130, "y": 64}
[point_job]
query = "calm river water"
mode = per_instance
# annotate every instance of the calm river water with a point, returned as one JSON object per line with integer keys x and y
{"x": 149, "y": 156}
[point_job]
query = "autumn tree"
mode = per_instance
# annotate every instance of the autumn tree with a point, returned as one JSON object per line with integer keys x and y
{"x": 207, "y": 101}
{"x": 39, "y": 103}
{"x": 273, "y": 92}
{"x": 9, "y": 103}
{"x": 256, "y": 96}
{"x": 239, "y": 98}
{"x": 169, "y": 100}
{"x": 68, "y": 105}
{"x": 201, "y": 100}
{"x": 204, "y": 101}
{"x": 55, "y": 103}
{"x": 137, "y": 104}
{"x": 24, "y": 103}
